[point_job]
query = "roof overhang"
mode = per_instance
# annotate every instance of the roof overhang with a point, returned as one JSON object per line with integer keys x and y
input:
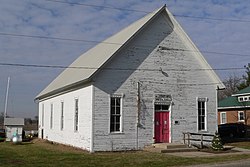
{"x": 64, "y": 90}
{"x": 233, "y": 107}
{"x": 241, "y": 94}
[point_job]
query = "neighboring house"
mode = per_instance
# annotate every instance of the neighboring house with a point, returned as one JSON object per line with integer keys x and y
{"x": 236, "y": 108}
{"x": 13, "y": 126}
{"x": 147, "y": 83}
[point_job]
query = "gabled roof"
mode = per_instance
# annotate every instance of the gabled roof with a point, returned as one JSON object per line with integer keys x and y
{"x": 95, "y": 58}
{"x": 13, "y": 121}
{"x": 242, "y": 92}
{"x": 232, "y": 101}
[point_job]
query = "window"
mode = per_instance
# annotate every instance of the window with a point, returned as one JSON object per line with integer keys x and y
{"x": 76, "y": 114}
{"x": 223, "y": 117}
{"x": 241, "y": 116}
{"x": 202, "y": 114}
{"x": 240, "y": 99}
{"x": 51, "y": 116}
{"x": 42, "y": 119}
{"x": 161, "y": 107}
{"x": 62, "y": 114}
{"x": 115, "y": 114}
{"x": 243, "y": 98}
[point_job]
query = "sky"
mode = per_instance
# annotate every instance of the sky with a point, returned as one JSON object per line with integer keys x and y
{"x": 219, "y": 28}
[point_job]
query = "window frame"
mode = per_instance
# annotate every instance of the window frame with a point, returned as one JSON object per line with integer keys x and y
{"x": 62, "y": 115}
{"x": 42, "y": 119}
{"x": 76, "y": 114}
{"x": 241, "y": 120}
{"x": 203, "y": 100}
{"x": 221, "y": 118}
{"x": 120, "y": 115}
{"x": 51, "y": 115}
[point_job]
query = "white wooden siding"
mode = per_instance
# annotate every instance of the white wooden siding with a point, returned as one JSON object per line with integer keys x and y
{"x": 68, "y": 136}
{"x": 143, "y": 53}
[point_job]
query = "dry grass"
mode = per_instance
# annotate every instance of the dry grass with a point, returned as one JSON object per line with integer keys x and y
{"x": 245, "y": 144}
{"x": 43, "y": 153}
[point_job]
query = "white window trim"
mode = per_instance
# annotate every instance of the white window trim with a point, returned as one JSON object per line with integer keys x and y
{"x": 121, "y": 113}
{"x": 221, "y": 117}
{"x": 76, "y": 130}
{"x": 205, "y": 100}
{"x": 42, "y": 115}
{"x": 51, "y": 115}
{"x": 239, "y": 116}
{"x": 62, "y": 115}
{"x": 243, "y": 98}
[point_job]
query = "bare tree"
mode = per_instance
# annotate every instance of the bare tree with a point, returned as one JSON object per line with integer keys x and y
{"x": 231, "y": 83}
{"x": 246, "y": 78}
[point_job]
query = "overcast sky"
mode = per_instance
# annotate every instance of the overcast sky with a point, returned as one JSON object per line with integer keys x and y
{"x": 218, "y": 26}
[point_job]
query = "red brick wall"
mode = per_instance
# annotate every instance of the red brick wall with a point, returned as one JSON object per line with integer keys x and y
{"x": 232, "y": 116}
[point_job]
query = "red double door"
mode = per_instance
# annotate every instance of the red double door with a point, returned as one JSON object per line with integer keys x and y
{"x": 162, "y": 127}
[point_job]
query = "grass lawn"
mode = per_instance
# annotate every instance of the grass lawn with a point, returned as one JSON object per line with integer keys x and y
{"x": 245, "y": 145}
{"x": 42, "y": 153}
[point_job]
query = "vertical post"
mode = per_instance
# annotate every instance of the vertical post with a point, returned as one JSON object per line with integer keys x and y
{"x": 201, "y": 140}
{"x": 188, "y": 139}
{"x": 138, "y": 103}
{"x": 184, "y": 137}
{"x": 6, "y": 98}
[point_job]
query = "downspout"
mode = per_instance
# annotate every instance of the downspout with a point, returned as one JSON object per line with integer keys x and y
{"x": 138, "y": 114}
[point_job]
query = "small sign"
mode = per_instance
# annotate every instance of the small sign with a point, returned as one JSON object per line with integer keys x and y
{"x": 162, "y": 98}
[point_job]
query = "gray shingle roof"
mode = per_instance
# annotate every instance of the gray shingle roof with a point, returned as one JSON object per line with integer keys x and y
{"x": 13, "y": 121}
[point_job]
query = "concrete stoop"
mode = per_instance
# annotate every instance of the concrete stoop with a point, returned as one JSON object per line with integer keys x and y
{"x": 169, "y": 148}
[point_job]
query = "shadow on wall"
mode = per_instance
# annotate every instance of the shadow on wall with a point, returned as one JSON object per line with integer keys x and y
{"x": 130, "y": 57}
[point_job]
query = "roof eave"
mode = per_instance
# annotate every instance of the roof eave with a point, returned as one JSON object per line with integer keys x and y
{"x": 63, "y": 90}
{"x": 241, "y": 94}
{"x": 232, "y": 107}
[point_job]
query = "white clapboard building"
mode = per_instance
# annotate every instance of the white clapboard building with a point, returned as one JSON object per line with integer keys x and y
{"x": 147, "y": 83}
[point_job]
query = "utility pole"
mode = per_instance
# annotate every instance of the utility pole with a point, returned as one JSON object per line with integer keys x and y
{"x": 6, "y": 98}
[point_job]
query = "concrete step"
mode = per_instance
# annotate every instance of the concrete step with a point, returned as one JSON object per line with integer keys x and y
{"x": 169, "y": 145}
{"x": 169, "y": 148}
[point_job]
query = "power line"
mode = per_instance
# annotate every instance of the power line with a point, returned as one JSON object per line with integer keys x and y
{"x": 212, "y": 18}
{"x": 112, "y": 68}
{"x": 142, "y": 11}
{"x": 114, "y": 43}
{"x": 54, "y": 38}
{"x": 97, "y": 6}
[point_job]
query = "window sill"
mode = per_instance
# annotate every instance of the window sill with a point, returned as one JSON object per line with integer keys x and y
{"x": 202, "y": 131}
{"x": 116, "y": 133}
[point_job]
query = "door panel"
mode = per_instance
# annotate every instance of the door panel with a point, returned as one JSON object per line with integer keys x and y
{"x": 162, "y": 127}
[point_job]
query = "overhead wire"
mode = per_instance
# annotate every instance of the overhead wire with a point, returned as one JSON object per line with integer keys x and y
{"x": 114, "y": 43}
{"x": 117, "y": 69}
{"x": 97, "y": 6}
{"x": 143, "y": 11}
